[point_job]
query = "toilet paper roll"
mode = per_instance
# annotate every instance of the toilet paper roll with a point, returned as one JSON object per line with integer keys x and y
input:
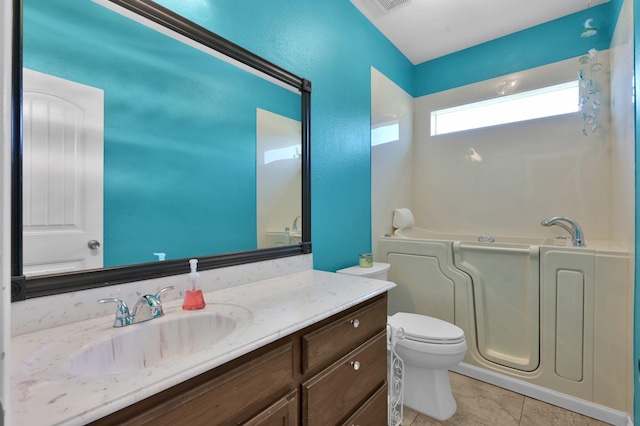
{"x": 402, "y": 218}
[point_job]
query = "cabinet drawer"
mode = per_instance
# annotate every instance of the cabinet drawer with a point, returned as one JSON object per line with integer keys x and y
{"x": 338, "y": 338}
{"x": 283, "y": 412}
{"x": 373, "y": 412}
{"x": 336, "y": 392}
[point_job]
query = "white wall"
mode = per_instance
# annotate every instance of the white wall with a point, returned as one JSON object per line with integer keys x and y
{"x": 522, "y": 173}
{"x": 622, "y": 130}
{"x": 391, "y": 163}
{"x": 5, "y": 207}
{"x": 622, "y": 159}
{"x": 278, "y": 183}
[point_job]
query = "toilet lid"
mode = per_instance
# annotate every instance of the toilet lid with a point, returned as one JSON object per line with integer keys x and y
{"x": 422, "y": 328}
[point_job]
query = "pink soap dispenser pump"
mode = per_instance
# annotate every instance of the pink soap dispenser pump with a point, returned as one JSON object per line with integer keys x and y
{"x": 193, "y": 298}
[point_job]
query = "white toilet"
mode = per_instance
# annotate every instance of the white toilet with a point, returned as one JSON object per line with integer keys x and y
{"x": 429, "y": 348}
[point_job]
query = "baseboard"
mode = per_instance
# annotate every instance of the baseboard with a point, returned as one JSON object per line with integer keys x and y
{"x": 590, "y": 409}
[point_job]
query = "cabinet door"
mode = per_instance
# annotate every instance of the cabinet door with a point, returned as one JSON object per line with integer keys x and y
{"x": 284, "y": 412}
{"x": 339, "y": 390}
{"x": 219, "y": 401}
{"x": 373, "y": 412}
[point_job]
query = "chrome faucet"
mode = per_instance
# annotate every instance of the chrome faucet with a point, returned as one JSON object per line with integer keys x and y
{"x": 295, "y": 223}
{"x": 577, "y": 237}
{"x": 147, "y": 307}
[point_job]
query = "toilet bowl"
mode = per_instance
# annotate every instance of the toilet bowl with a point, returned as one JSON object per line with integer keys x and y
{"x": 429, "y": 348}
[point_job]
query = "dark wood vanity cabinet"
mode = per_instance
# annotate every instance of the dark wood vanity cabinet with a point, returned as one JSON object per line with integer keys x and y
{"x": 330, "y": 373}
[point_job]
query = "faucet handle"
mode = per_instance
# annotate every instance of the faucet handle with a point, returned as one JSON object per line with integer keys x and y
{"x": 122, "y": 311}
{"x": 154, "y": 302}
{"x": 162, "y": 290}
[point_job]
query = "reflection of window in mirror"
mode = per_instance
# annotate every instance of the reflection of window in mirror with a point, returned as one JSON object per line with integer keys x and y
{"x": 286, "y": 153}
{"x": 385, "y": 133}
{"x": 278, "y": 179}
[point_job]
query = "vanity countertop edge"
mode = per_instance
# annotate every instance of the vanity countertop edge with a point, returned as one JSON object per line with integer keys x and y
{"x": 279, "y": 306}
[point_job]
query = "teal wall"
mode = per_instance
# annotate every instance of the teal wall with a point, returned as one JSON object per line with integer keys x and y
{"x": 328, "y": 42}
{"x": 332, "y": 44}
{"x": 540, "y": 45}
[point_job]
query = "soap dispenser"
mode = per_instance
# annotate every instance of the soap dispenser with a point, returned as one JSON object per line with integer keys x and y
{"x": 193, "y": 298}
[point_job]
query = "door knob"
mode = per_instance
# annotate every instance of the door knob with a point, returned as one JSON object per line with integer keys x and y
{"x": 93, "y": 244}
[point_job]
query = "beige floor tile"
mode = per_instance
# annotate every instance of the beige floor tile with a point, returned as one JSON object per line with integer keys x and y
{"x": 536, "y": 413}
{"x": 482, "y": 404}
{"x": 479, "y": 404}
{"x": 408, "y": 416}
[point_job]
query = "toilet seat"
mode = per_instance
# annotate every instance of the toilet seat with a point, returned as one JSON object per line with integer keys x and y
{"x": 424, "y": 329}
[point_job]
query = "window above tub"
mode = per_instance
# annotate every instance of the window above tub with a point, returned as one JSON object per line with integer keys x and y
{"x": 539, "y": 103}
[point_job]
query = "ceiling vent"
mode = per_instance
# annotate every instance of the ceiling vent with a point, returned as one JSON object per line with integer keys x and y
{"x": 388, "y": 5}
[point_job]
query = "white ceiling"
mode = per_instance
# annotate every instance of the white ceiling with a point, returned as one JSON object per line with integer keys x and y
{"x": 428, "y": 29}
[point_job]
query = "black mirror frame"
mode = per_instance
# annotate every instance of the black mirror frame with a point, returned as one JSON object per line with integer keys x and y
{"x": 23, "y": 288}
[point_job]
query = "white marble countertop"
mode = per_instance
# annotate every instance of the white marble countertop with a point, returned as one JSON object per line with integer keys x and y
{"x": 45, "y": 392}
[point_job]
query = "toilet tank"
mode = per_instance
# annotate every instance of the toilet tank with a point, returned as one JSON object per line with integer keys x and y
{"x": 378, "y": 271}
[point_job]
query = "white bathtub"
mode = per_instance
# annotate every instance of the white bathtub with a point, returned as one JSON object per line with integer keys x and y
{"x": 558, "y": 241}
{"x": 502, "y": 276}
{"x": 527, "y": 305}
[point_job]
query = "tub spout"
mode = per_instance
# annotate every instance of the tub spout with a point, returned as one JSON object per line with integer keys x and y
{"x": 577, "y": 237}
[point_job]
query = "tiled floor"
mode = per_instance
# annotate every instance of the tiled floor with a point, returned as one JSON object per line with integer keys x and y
{"x": 482, "y": 404}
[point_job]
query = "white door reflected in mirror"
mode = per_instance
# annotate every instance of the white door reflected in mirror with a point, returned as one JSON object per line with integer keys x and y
{"x": 62, "y": 174}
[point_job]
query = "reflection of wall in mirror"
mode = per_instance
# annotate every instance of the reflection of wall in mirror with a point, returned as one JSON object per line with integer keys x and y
{"x": 179, "y": 134}
{"x": 278, "y": 173}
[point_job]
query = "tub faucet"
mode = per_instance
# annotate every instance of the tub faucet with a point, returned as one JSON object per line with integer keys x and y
{"x": 577, "y": 237}
{"x": 295, "y": 223}
{"x": 147, "y": 307}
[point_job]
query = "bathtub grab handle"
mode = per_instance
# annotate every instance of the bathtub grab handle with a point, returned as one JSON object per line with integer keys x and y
{"x": 494, "y": 248}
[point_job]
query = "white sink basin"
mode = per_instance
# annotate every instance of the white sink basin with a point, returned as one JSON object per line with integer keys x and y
{"x": 105, "y": 351}
{"x": 157, "y": 341}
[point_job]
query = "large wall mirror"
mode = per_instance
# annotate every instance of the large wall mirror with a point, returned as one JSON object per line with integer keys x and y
{"x": 142, "y": 140}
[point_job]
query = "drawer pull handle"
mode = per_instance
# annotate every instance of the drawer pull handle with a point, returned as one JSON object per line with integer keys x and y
{"x": 355, "y": 323}
{"x": 355, "y": 365}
